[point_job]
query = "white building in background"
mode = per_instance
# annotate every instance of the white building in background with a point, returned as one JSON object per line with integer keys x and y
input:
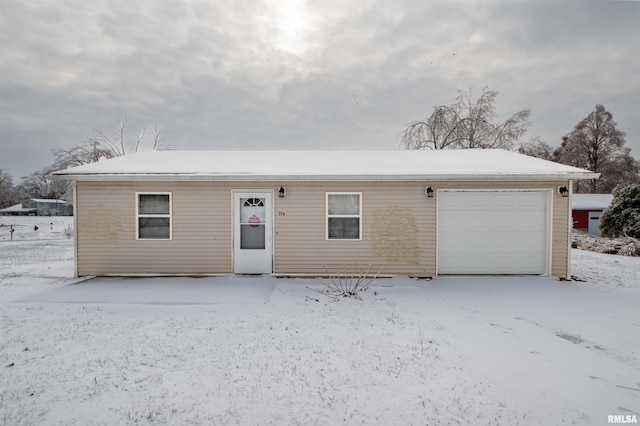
{"x": 38, "y": 207}
{"x": 586, "y": 210}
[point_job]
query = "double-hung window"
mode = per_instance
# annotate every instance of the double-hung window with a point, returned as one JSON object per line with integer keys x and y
{"x": 344, "y": 215}
{"x": 153, "y": 215}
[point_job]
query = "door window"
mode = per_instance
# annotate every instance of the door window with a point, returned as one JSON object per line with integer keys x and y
{"x": 252, "y": 223}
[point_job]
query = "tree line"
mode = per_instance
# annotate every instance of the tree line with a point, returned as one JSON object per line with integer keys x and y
{"x": 99, "y": 146}
{"x": 595, "y": 143}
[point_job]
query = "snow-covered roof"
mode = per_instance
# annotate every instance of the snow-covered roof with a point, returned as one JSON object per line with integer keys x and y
{"x": 17, "y": 208}
{"x": 48, "y": 200}
{"x": 325, "y": 165}
{"x": 590, "y": 201}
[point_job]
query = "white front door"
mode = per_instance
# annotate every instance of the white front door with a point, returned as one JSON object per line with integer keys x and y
{"x": 252, "y": 232}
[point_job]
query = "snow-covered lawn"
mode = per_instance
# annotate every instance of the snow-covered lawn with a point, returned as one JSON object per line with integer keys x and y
{"x": 487, "y": 350}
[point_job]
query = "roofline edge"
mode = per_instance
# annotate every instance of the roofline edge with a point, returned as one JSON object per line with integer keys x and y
{"x": 278, "y": 178}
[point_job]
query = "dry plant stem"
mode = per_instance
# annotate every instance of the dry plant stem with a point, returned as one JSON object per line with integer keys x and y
{"x": 347, "y": 285}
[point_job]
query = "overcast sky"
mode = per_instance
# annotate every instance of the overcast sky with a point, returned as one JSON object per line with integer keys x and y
{"x": 302, "y": 74}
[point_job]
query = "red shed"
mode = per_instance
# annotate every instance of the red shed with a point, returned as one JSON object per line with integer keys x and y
{"x": 586, "y": 210}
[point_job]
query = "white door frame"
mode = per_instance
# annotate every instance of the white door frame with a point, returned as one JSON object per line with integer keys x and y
{"x": 548, "y": 219}
{"x": 253, "y": 261}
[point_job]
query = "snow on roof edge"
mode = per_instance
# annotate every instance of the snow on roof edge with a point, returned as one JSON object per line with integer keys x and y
{"x": 591, "y": 201}
{"x": 332, "y": 165}
{"x": 303, "y": 178}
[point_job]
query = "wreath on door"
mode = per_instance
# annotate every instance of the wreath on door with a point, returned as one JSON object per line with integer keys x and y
{"x": 254, "y": 221}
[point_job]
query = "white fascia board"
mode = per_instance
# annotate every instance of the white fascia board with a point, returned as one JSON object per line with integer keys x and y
{"x": 278, "y": 178}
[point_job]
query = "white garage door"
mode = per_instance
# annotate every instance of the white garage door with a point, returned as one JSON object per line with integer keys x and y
{"x": 484, "y": 232}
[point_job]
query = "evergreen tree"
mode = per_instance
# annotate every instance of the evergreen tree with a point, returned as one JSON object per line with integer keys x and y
{"x": 622, "y": 218}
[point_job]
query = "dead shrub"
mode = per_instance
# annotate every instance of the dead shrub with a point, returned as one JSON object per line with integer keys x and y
{"x": 625, "y": 246}
{"x": 347, "y": 283}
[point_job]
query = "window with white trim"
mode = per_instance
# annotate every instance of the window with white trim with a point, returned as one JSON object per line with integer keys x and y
{"x": 153, "y": 215}
{"x": 344, "y": 215}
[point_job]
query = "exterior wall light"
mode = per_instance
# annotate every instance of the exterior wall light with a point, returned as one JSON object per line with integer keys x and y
{"x": 429, "y": 191}
{"x": 563, "y": 190}
{"x": 282, "y": 191}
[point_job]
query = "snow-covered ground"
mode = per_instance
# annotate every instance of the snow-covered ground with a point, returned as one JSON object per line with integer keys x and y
{"x": 455, "y": 350}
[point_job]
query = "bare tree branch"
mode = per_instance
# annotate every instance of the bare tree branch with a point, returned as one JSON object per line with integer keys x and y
{"x": 141, "y": 134}
{"x": 468, "y": 123}
{"x": 121, "y": 124}
{"x": 156, "y": 137}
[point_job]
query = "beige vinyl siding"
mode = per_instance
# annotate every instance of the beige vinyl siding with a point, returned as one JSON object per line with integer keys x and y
{"x": 201, "y": 240}
{"x": 398, "y": 227}
{"x": 561, "y": 237}
{"x": 396, "y": 217}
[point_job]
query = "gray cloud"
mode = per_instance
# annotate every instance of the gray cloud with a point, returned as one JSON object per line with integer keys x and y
{"x": 350, "y": 74}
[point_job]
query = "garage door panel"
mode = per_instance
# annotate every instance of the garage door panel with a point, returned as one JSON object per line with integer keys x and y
{"x": 501, "y": 264}
{"x": 473, "y": 200}
{"x": 500, "y": 221}
{"x": 498, "y": 201}
{"x": 492, "y": 232}
{"x": 501, "y": 201}
{"x": 531, "y": 222}
{"x": 531, "y": 200}
{"x": 529, "y": 244}
{"x": 453, "y": 220}
{"x": 486, "y": 242}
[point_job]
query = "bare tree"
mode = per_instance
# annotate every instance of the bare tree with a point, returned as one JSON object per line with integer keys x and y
{"x": 7, "y": 191}
{"x": 469, "y": 123}
{"x": 118, "y": 146}
{"x": 538, "y": 148}
{"x": 596, "y": 144}
{"x": 38, "y": 185}
{"x": 101, "y": 146}
{"x": 91, "y": 151}
{"x": 436, "y": 132}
